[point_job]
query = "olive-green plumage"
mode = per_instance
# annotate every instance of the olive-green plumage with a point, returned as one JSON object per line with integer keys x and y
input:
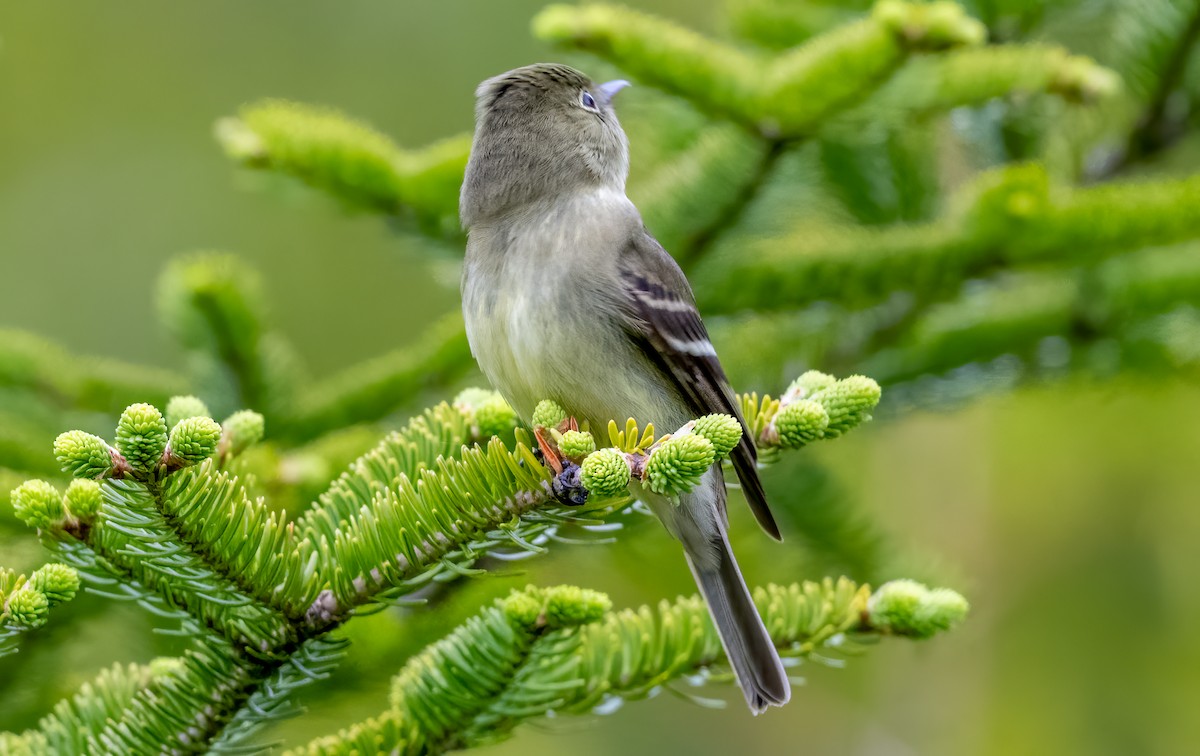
{"x": 560, "y": 275}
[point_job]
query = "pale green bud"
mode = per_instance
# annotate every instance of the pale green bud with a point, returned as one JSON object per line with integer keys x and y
{"x": 162, "y": 666}
{"x": 470, "y": 398}
{"x": 241, "y": 430}
{"x": 38, "y": 504}
{"x": 183, "y": 407}
{"x": 677, "y": 465}
{"x": 84, "y": 498}
{"x": 567, "y": 605}
{"x": 799, "y": 423}
{"x": 724, "y": 431}
{"x": 142, "y": 436}
{"x": 83, "y": 455}
{"x": 605, "y": 472}
{"x": 890, "y": 13}
{"x": 810, "y": 382}
{"x": 577, "y": 444}
{"x": 57, "y": 582}
{"x": 906, "y": 607}
{"x": 524, "y": 607}
{"x": 193, "y": 440}
{"x": 548, "y": 414}
{"x": 848, "y": 403}
{"x": 28, "y": 608}
{"x": 494, "y": 417}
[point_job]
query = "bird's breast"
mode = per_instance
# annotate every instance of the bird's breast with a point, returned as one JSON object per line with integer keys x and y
{"x": 542, "y": 322}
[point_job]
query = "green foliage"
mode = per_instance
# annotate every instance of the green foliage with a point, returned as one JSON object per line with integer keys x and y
{"x": 213, "y": 305}
{"x": 38, "y": 504}
{"x": 27, "y": 608}
{"x": 83, "y": 455}
{"x": 240, "y": 431}
{"x": 57, "y": 582}
{"x": 333, "y": 152}
{"x": 184, "y": 407}
{"x": 722, "y": 431}
{"x": 563, "y": 650}
{"x": 815, "y": 406}
{"x": 84, "y": 499}
{"x": 142, "y": 436}
{"x": 677, "y": 463}
{"x": 548, "y": 414}
{"x": 606, "y": 473}
{"x": 487, "y": 412}
{"x": 194, "y": 440}
{"x": 787, "y": 95}
{"x": 906, "y": 607}
{"x": 25, "y": 604}
{"x": 577, "y": 444}
{"x": 181, "y": 534}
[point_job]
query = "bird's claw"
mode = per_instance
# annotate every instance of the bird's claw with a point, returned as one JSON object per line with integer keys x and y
{"x": 568, "y": 485}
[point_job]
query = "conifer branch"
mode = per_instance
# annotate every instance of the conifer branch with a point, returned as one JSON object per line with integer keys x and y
{"x": 351, "y": 160}
{"x": 213, "y": 304}
{"x": 782, "y": 97}
{"x": 1153, "y": 131}
{"x": 726, "y": 167}
{"x": 25, "y": 603}
{"x": 563, "y": 651}
{"x": 65, "y": 380}
{"x": 1012, "y": 218}
{"x": 169, "y": 526}
{"x": 65, "y": 730}
{"x": 1015, "y": 315}
{"x": 961, "y": 78}
{"x": 780, "y": 24}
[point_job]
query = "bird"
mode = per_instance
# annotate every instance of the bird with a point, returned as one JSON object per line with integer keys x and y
{"x": 568, "y": 297}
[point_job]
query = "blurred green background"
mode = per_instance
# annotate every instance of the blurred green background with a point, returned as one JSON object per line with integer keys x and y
{"x": 1066, "y": 513}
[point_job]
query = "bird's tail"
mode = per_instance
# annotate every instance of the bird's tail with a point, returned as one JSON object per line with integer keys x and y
{"x": 750, "y": 650}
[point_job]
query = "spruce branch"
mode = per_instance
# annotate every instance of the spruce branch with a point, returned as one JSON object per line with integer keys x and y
{"x": 64, "y": 380}
{"x": 183, "y": 537}
{"x": 780, "y": 24}
{"x": 724, "y": 168}
{"x": 1016, "y": 314}
{"x": 782, "y": 97}
{"x": 1012, "y": 217}
{"x": 564, "y": 651}
{"x": 961, "y": 78}
{"x": 351, "y": 160}
{"x": 65, "y": 730}
{"x": 25, "y": 603}
{"x": 213, "y": 304}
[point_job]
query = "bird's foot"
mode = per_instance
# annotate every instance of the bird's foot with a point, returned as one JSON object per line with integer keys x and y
{"x": 568, "y": 485}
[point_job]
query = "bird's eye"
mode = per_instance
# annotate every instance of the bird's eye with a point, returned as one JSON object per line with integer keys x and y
{"x": 588, "y": 101}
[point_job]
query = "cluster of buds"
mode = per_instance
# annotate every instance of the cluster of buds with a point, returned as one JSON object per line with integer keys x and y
{"x": 815, "y": 406}
{"x": 26, "y": 604}
{"x": 144, "y": 450}
{"x": 147, "y": 444}
{"x": 669, "y": 465}
{"x": 906, "y": 607}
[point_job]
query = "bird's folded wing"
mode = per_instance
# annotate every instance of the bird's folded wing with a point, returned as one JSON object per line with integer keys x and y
{"x": 662, "y": 318}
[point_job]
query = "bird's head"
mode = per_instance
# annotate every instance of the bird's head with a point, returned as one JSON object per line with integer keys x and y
{"x": 541, "y": 131}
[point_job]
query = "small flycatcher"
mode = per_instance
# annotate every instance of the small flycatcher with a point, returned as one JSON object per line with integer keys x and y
{"x": 568, "y": 297}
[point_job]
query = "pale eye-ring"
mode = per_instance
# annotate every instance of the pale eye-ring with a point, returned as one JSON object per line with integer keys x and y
{"x": 588, "y": 101}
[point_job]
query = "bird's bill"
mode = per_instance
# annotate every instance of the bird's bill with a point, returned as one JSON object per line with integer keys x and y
{"x": 609, "y": 89}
